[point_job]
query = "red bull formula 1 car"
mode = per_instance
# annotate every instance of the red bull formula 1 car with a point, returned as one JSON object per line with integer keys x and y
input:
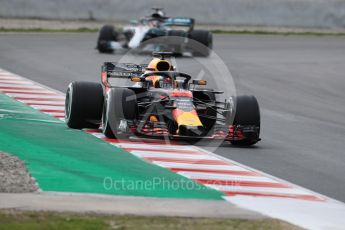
{"x": 160, "y": 103}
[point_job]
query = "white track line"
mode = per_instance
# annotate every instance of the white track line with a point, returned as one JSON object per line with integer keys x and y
{"x": 155, "y": 146}
{"x": 21, "y": 95}
{"x": 39, "y": 107}
{"x": 144, "y": 154}
{"x": 99, "y": 135}
{"x": 19, "y": 82}
{"x": 26, "y": 90}
{"x": 215, "y": 176}
{"x": 27, "y": 86}
{"x": 278, "y": 191}
{"x": 43, "y": 102}
{"x": 205, "y": 166}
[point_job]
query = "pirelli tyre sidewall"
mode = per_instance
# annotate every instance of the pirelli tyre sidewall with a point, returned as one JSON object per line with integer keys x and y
{"x": 120, "y": 104}
{"x": 83, "y": 105}
{"x": 245, "y": 112}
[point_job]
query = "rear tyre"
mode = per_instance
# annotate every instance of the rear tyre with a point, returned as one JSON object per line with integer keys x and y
{"x": 247, "y": 113}
{"x": 120, "y": 104}
{"x": 106, "y": 35}
{"x": 179, "y": 37}
{"x": 83, "y": 105}
{"x": 205, "y": 39}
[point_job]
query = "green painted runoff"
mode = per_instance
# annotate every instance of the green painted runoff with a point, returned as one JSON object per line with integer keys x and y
{"x": 67, "y": 160}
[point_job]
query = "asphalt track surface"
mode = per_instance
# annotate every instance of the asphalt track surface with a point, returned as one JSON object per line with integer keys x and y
{"x": 299, "y": 82}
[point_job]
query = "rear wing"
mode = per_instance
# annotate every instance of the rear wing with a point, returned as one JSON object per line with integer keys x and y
{"x": 120, "y": 70}
{"x": 180, "y": 21}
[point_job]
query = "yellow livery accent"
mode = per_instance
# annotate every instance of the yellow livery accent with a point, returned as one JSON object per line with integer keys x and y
{"x": 157, "y": 65}
{"x": 188, "y": 119}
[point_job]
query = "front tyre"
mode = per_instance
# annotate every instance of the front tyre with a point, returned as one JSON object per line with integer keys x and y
{"x": 120, "y": 104}
{"x": 83, "y": 105}
{"x": 107, "y": 34}
{"x": 246, "y": 114}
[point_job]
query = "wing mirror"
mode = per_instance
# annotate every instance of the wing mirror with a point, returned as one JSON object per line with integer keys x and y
{"x": 137, "y": 79}
{"x": 199, "y": 82}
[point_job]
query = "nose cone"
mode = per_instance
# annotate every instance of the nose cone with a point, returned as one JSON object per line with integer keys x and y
{"x": 191, "y": 131}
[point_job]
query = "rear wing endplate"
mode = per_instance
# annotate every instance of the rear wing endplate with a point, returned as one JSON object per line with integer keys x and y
{"x": 122, "y": 70}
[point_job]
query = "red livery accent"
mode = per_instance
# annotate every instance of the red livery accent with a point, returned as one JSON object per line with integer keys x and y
{"x": 235, "y": 133}
{"x": 52, "y": 111}
{"x": 181, "y": 94}
{"x": 242, "y": 183}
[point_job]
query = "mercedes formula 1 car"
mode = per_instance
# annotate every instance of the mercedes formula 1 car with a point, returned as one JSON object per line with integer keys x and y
{"x": 162, "y": 33}
{"x": 160, "y": 103}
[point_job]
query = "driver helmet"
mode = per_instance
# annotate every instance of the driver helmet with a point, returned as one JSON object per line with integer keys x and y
{"x": 159, "y": 14}
{"x": 157, "y": 65}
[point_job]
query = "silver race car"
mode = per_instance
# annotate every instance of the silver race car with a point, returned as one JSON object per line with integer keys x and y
{"x": 157, "y": 33}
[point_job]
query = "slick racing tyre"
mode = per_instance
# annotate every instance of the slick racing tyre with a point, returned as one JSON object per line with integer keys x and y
{"x": 83, "y": 105}
{"x": 205, "y": 39}
{"x": 177, "y": 42}
{"x": 106, "y": 35}
{"x": 120, "y": 104}
{"x": 247, "y": 113}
